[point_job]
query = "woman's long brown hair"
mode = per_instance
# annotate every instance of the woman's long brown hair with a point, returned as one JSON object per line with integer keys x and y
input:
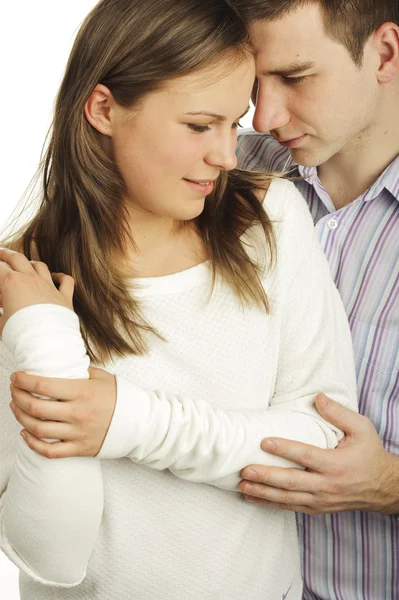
{"x": 81, "y": 225}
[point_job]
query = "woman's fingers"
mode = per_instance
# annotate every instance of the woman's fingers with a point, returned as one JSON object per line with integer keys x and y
{"x": 42, "y": 269}
{"x": 50, "y": 450}
{"x": 41, "y": 409}
{"x": 62, "y": 389}
{"x": 66, "y": 285}
{"x": 16, "y": 261}
{"x": 52, "y": 430}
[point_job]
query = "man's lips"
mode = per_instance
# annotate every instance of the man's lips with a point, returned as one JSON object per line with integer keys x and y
{"x": 290, "y": 142}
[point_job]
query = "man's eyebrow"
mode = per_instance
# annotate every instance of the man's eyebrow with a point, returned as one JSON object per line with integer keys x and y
{"x": 293, "y": 69}
{"x": 206, "y": 113}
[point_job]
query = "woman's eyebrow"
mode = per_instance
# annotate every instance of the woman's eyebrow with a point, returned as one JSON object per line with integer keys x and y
{"x": 214, "y": 115}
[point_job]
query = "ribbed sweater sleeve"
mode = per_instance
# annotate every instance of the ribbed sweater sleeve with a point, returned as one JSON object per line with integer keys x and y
{"x": 51, "y": 509}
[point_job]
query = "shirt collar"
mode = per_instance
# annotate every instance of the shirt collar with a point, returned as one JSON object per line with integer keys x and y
{"x": 389, "y": 179}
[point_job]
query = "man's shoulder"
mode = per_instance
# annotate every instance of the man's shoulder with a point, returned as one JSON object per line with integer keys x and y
{"x": 261, "y": 152}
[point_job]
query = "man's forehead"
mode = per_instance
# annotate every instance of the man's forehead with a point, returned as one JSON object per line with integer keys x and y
{"x": 299, "y": 34}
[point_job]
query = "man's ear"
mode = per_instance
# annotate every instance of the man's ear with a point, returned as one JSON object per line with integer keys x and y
{"x": 387, "y": 40}
{"x": 98, "y": 109}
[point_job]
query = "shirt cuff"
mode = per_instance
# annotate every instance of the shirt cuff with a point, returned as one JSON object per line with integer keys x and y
{"x": 125, "y": 431}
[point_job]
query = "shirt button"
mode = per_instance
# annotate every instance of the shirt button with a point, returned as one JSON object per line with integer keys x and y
{"x": 332, "y": 224}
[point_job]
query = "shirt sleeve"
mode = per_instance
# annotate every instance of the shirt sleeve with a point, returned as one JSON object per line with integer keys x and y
{"x": 50, "y": 509}
{"x": 203, "y": 444}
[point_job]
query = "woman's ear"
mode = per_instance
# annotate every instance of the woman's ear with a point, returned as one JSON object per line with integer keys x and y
{"x": 98, "y": 109}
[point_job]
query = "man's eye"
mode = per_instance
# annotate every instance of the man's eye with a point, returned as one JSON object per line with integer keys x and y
{"x": 293, "y": 80}
{"x": 199, "y": 128}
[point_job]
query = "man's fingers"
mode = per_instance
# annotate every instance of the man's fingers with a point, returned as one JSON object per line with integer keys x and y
{"x": 307, "y": 456}
{"x": 272, "y": 494}
{"x": 343, "y": 418}
{"x": 61, "y": 389}
{"x": 288, "y": 507}
{"x": 286, "y": 479}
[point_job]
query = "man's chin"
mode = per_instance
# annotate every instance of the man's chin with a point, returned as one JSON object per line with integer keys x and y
{"x": 307, "y": 158}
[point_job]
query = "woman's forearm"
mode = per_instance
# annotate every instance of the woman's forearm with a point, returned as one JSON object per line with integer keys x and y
{"x": 51, "y": 511}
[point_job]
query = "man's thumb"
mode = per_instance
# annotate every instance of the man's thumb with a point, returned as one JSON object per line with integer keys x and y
{"x": 344, "y": 418}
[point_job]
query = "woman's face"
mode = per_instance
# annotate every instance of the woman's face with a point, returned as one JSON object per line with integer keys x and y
{"x": 173, "y": 146}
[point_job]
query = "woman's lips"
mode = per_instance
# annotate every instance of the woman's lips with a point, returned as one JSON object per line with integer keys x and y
{"x": 202, "y": 186}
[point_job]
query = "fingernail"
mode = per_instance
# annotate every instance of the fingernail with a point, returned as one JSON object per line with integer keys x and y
{"x": 323, "y": 399}
{"x": 12, "y": 378}
{"x": 251, "y": 474}
{"x": 269, "y": 445}
{"x": 248, "y": 488}
{"x": 24, "y": 436}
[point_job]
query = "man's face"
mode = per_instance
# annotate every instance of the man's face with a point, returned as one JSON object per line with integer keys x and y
{"x": 329, "y": 106}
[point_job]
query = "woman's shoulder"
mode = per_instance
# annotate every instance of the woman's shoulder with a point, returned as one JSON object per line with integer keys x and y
{"x": 292, "y": 223}
{"x": 283, "y": 202}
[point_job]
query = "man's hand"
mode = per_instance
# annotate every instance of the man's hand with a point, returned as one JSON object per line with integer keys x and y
{"x": 358, "y": 475}
{"x": 80, "y": 419}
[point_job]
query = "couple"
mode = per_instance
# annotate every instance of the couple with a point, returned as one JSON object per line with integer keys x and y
{"x": 137, "y": 179}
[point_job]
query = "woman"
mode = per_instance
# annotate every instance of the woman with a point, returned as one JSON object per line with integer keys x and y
{"x": 210, "y": 302}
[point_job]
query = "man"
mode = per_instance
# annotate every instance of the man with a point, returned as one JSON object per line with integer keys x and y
{"x": 327, "y": 101}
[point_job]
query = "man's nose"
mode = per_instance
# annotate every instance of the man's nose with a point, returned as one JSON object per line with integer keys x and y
{"x": 270, "y": 112}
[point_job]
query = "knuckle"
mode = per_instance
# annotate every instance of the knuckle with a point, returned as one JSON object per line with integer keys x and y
{"x": 38, "y": 430}
{"x": 78, "y": 415}
{"x": 308, "y": 455}
{"x": 83, "y": 396}
{"x": 291, "y": 484}
{"x": 42, "y": 388}
{"x": 287, "y": 499}
{"x": 33, "y": 409}
{"x": 10, "y": 279}
{"x": 337, "y": 470}
{"x": 264, "y": 476}
{"x": 323, "y": 504}
{"x": 50, "y": 451}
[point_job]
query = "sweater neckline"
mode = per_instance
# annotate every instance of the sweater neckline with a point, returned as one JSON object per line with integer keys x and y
{"x": 175, "y": 282}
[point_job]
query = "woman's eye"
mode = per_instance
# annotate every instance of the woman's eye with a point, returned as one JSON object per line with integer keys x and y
{"x": 293, "y": 80}
{"x": 199, "y": 128}
{"x": 236, "y": 125}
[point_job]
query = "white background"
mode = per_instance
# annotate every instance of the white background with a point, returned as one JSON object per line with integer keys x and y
{"x": 35, "y": 43}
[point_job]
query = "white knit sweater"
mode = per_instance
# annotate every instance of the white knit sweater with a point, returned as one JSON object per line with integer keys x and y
{"x": 195, "y": 409}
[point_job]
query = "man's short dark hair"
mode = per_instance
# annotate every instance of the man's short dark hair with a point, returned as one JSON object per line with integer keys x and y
{"x": 350, "y": 22}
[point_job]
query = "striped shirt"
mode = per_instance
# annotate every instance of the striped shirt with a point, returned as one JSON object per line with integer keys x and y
{"x": 354, "y": 555}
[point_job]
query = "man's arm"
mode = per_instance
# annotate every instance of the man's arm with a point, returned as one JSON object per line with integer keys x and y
{"x": 359, "y": 475}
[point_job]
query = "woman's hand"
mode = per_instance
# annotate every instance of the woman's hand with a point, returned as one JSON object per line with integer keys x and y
{"x": 23, "y": 283}
{"x": 80, "y": 419}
